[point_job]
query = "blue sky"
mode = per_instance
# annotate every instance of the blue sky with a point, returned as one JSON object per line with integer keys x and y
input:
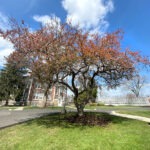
{"x": 132, "y": 16}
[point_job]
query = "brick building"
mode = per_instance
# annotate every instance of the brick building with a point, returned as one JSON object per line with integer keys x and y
{"x": 34, "y": 94}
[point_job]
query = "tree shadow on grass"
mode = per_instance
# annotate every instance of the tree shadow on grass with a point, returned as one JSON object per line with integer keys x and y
{"x": 59, "y": 120}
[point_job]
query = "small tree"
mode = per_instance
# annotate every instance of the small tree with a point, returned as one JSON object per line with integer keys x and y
{"x": 11, "y": 82}
{"x": 130, "y": 98}
{"x": 135, "y": 85}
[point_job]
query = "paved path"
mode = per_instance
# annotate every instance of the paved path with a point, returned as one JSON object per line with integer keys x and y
{"x": 145, "y": 119}
{"x": 12, "y": 117}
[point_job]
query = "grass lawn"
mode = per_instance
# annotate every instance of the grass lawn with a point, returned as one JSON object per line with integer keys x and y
{"x": 52, "y": 133}
{"x": 49, "y": 107}
{"x": 144, "y": 113}
{"x": 132, "y": 110}
{"x": 112, "y": 107}
{"x": 30, "y": 107}
{"x": 8, "y": 107}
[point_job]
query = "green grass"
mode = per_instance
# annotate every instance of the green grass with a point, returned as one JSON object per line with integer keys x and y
{"x": 112, "y": 107}
{"x": 52, "y": 133}
{"x": 132, "y": 110}
{"x": 144, "y": 113}
{"x": 8, "y": 107}
{"x": 49, "y": 107}
{"x": 30, "y": 107}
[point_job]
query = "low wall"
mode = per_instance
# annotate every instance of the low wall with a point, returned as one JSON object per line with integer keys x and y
{"x": 41, "y": 103}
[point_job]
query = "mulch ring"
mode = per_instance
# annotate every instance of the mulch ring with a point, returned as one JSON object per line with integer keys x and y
{"x": 89, "y": 119}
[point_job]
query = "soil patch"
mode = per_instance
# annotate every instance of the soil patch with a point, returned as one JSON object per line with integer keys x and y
{"x": 88, "y": 119}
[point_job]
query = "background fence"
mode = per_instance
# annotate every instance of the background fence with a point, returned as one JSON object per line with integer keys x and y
{"x": 125, "y": 101}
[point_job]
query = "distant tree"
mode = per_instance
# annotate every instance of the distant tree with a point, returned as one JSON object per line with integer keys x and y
{"x": 135, "y": 85}
{"x": 130, "y": 97}
{"x": 59, "y": 51}
{"x": 11, "y": 82}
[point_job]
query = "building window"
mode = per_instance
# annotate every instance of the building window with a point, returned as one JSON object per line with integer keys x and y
{"x": 38, "y": 86}
{"x": 38, "y": 96}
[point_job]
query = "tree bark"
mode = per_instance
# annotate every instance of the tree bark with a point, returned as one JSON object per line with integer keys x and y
{"x": 64, "y": 111}
{"x": 46, "y": 94}
{"x": 137, "y": 94}
{"x": 46, "y": 97}
{"x": 80, "y": 110}
{"x": 79, "y": 106}
{"x": 6, "y": 104}
{"x": 45, "y": 105}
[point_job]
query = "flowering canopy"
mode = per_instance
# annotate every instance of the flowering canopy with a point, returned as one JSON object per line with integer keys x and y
{"x": 55, "y": 52}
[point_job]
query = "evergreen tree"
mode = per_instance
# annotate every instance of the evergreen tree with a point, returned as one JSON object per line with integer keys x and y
{"x": 12, "y": 82}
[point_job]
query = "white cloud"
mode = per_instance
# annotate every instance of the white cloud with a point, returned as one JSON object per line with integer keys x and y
{"x": 89, "y": 14}
{"x": 3, "y": 22}
{"x": 46, "y": 19}
{"x": 5, "y": 49}
{"x": 5, "y": 46}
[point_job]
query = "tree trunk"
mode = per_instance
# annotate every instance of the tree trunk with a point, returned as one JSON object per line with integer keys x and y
{"x": 64, "y": 111}
{"x": 46, "y": 97}
{"x": 137, "y": 95}
{"x": 6, "y": 104}
{"x": 80, "y": 109}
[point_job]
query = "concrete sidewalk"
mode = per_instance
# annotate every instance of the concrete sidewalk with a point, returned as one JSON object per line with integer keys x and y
{"x": 145, "y": 119}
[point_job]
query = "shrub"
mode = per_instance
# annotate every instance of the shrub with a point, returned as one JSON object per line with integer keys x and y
{"x": 100, "y": 104}
{"x": 97, "y": 104}
{"x": 93, "y": 104}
